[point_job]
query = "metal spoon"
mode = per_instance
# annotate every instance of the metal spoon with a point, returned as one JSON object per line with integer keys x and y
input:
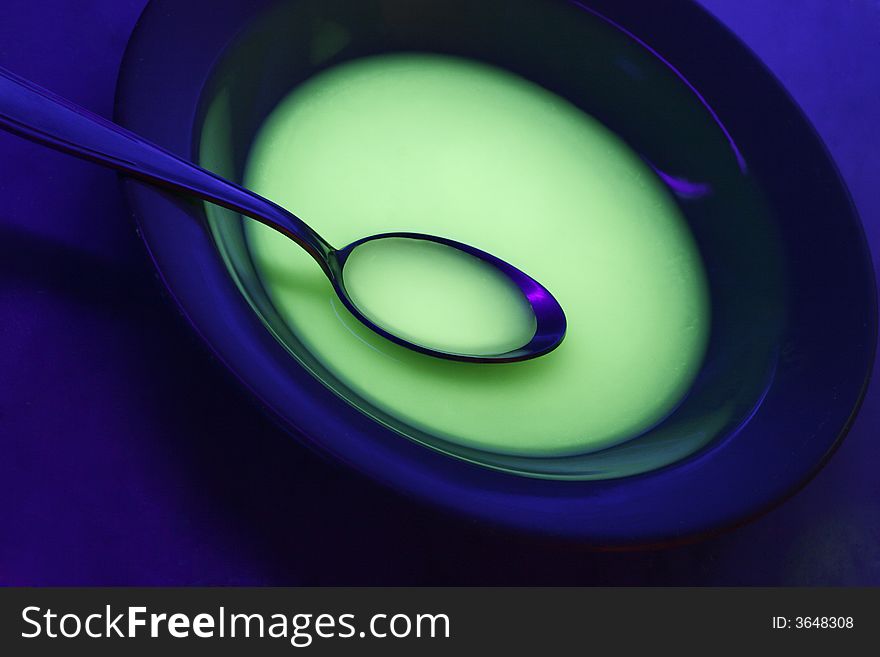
{"x": 41, "y": 116}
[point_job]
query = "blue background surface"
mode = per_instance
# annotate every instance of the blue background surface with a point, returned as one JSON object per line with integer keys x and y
{"x": 128, "y": 455}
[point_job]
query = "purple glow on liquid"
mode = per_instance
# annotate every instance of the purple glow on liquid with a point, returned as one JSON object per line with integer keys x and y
{"x": 684, "y": 188}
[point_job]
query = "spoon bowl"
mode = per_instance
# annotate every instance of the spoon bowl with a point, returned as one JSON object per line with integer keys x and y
{"x": 516, "y": 317}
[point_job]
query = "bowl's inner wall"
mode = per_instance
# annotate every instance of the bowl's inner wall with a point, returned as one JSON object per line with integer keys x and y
{"x": 607, "y": 74}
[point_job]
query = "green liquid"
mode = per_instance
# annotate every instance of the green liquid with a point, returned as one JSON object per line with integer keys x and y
{"x": 450, "y": 147}
{"x": 438, "y": 297}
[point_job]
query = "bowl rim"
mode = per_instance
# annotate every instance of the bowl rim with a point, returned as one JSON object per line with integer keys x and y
{"x": 659, "y": 507}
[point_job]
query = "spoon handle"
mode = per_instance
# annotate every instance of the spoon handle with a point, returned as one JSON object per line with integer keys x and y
{"x": 44, "y": 117}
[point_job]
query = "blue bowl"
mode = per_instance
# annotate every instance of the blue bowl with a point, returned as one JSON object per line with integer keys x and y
{"x": 794, "y": 303}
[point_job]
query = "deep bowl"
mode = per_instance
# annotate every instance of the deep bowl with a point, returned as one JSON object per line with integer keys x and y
{"x": 794, "y": 315}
